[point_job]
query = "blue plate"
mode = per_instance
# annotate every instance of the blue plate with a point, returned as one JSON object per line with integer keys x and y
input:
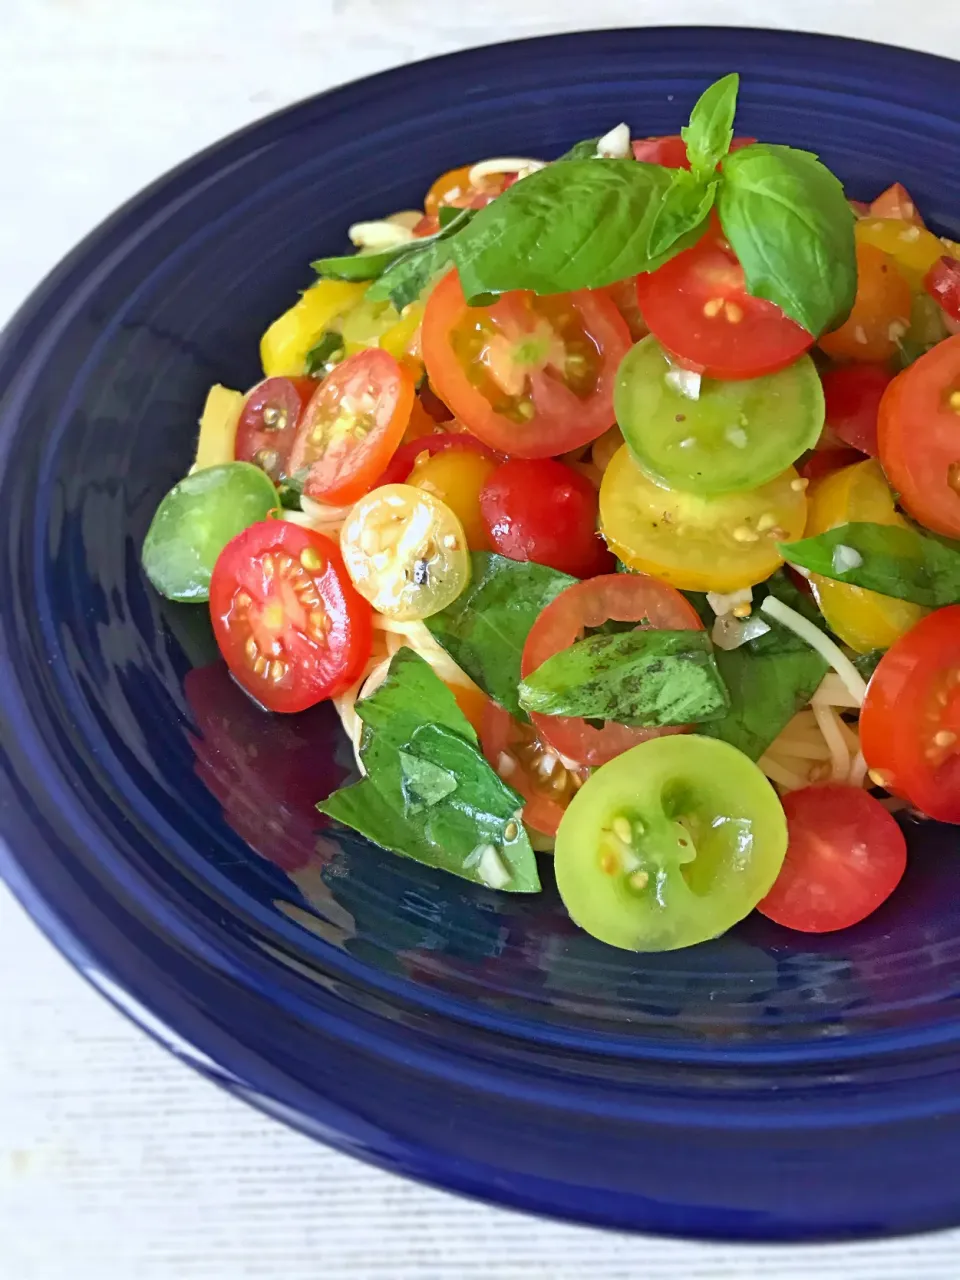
{"x": 162, "y": 832}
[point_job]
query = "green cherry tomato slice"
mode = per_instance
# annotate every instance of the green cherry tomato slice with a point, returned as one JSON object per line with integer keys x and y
{"x": 733, "y": 436}
{"x": 196, "y": 520}
{"x": 669, "y": 844}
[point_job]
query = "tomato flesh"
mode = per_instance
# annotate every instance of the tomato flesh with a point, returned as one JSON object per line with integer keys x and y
{"x": 286, "y": 617}
{"x": 919, "y": 437}
{"x": 895, "y": 202}
{"x": 845, "y": 856}
{"x": 671, "y": 150}
{"x": 529, "y": 766}
{"x": 543, "y": 510}
{"x": 942, "y": 282}
{"x": 529, "y": 376}
{"x": 269, "y": 420}
{"x": 407, "y": 456}
{"x": 622, "y": 598}
{"x": 352, "y": 426}
{"x": 698, "y": 307}
{"x": 852, "y": 396}
{"x": 881, "y": 310}
{"x": 669, "y": 845}
{"x": 910, "y": 721}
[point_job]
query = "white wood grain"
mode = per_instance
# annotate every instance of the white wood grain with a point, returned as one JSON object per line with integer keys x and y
{"x": 116, "y": 1162}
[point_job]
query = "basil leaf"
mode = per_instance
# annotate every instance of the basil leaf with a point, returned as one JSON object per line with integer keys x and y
{"x": 894, "y": 561}
{"x": 401, "y": 259}
{"x": 791, "y": 228}
{"x": 325, "y": 353}
{"x": 685, "y": 205}
{"x": 575, "y": 225}
{"x": 585, "y": 150}
{"x": 710, "y": 131}
{"x": 358, "y": 266}
{"x": 766, "y": 691}
{"x": 409, "y": 277}
{"x": 927, "y": 328}
{"x": 640, "y": 677}
{"x": 486, "y": 627}
{"x": 447, "y": 214}
{"x": 867, "y": 663}
{"x": 429, "y": 794}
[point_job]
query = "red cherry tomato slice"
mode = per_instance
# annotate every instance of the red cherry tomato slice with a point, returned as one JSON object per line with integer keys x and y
{"x": 623, "y": 597}
{"x": 845, "y": 856}
{"x": 698, "y": 308}
{"x": 352, "y": 426}
{"x": 543, "y": 510}
{"x": 268, "y": 423}
{"x": 919, "y": 437}
{"x": 671, "y": 151}
{"x": 910, "y": 721}
{"x": 529, "y": 766}
{"x": 853, "y": 394}
{"x": 942, "y": 282}
{"x": 402, "y": 462}
{"x": 289, "y": 622}
{"x": 529, "y": 376}
{"x": 823, "y": 461}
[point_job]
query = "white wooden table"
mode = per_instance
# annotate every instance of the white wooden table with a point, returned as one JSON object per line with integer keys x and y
{"x": 116, "y": 1162}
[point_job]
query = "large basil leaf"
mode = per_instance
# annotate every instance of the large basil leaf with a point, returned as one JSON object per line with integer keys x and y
{"x": 637, "y": 677}
{"x": 575, "y": 225}
{"x": 485, "y": 628}
{"x": 893, "y": 560}
{"x": 790, "y": 225}
{"x": 429, "y": 794}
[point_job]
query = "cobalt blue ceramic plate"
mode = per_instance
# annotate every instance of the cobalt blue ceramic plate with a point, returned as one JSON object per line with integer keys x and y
{"x": 162, "y": 831}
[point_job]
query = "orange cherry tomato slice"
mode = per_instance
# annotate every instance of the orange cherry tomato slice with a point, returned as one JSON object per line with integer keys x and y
{"x": 352, "y": 427}
{"x": 529, "y": 376}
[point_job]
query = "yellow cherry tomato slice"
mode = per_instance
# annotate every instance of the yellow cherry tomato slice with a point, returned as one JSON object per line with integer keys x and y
{"x": 864, "y": 619}
{"x": 284, "y": 346}
{"x": 406, "y": 552}
{"x": 914, "y": 249}
{"x": 456, "y": 477}
{"x": 698, "y": 543}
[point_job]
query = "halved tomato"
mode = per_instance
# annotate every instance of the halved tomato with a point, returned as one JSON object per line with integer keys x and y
{"x": 698, "y": 308}
{"x": 528, "y": 765}
{"x": 910, "y": 721}
{"x": 896, "y": 202}
{"x": 881, "y": 310}
{"x": 530, "y": 376}
{"x": 407, "y": 456}
{"x": 351, "y": 427}
{"x": 845, "y": 856}
{"x": 942, "y": 282}
{"x": 621, "y": 597}
{"x": 919, "y": 437}
{"x": 286, "y": 616}
{"x": 269, "y": 420}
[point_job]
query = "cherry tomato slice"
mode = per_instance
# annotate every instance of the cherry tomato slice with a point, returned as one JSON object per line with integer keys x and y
{"x": 919, "y": 437}
{"x": 895, "y": 202}
{"x": 530, "y": 376}
{"x": 845, "y": 855}
{"x": 671, "y": 150}
{"x": 881, "y": 310}
{"x": 406, "y": 457}
{"x": 268, "y": 422}
{"x": 823, "y": 462}
{"x": 622, "y": 597}
{"x": 543, "y": 510}
{"x": 286, "y": 617}
{"x": 852, "y": 395}
{"x": 698, "y": 307}
{"x": 942, "y": 282}
{"x": 457, "y": 477}
{"x": 351, "y": 427}
{"x": 525, "y": 763}
{"x": 910, "y": 721}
